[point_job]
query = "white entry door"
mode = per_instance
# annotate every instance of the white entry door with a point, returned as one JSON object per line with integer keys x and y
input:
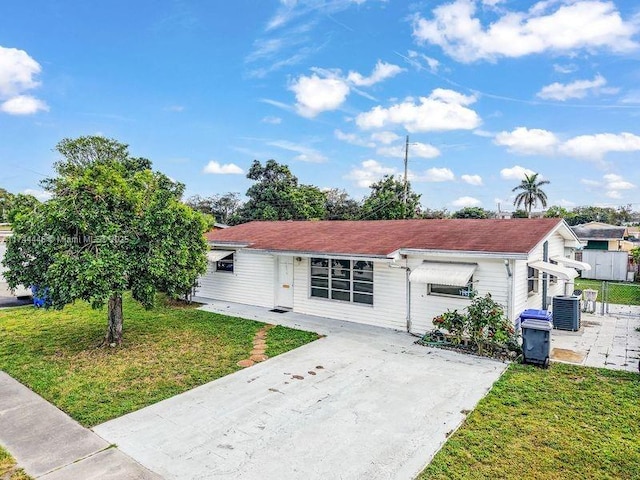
{"x": 284, "y": 287}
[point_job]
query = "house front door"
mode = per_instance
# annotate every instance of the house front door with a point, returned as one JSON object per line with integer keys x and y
{"x": 284, "y": 287}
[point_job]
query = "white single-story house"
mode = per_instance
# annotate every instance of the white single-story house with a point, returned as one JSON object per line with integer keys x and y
{"x": 391, "y": 273}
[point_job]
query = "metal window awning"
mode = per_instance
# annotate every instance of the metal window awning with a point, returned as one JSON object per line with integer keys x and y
{"x": 216, "y": 255}
{"x": 569, "y": 262}
{"x": 441, "y": 273}
{"x": 556, "y": 270}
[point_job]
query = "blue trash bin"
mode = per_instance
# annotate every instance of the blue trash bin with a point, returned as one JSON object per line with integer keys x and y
{"x": 533, "y": 314}
{"x": 42, "y": 300}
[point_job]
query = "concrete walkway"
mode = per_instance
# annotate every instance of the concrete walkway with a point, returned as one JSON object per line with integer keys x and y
{"x": 362, "y": 403}
{"x": 48, "y": 444}
{"x": 605, "y": 341}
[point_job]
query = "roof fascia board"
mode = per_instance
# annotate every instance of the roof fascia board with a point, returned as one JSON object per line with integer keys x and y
{"x": 465, "y": 253}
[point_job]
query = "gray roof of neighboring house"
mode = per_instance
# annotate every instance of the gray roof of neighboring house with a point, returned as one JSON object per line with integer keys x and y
{"x": 598, "y": 232}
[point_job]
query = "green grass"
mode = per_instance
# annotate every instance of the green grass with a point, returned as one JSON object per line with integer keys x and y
{"x": 166, "y": 351}
{"x": 567, "y": 422}
{"x": 621, "y": 293}
{"x": 9, "y": 469}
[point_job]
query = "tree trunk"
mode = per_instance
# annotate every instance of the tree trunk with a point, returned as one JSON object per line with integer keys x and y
{"x": 114, "y": 328}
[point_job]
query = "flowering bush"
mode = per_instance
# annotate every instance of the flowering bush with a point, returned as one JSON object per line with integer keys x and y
{"x": 485, "y": 324}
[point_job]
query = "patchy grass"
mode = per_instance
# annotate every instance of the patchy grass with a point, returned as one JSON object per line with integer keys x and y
{"x": 8, "y": 468}
{"x": 621, "y": 293}
{"x": 167, "y": 350}
{"x": 563, "y": 423}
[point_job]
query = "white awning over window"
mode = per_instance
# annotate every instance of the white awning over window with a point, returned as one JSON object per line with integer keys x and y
{"x": 568, "y": 262}
{"x": 440, "y": 273}
{"x": 559, "y": 271}
{"x": 216, "y": 255}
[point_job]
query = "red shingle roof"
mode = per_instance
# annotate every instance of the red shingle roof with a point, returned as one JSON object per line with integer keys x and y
{"x": 382, "y": 237}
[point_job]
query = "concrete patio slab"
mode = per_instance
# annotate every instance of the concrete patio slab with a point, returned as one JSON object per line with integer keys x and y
{"x": 44, "y": 439}
{"x": 604, "y": 341}
{"x": 364, "y": 402}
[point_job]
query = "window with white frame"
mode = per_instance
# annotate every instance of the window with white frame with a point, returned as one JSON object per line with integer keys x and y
{"x": 225, "y": 264}
{"x": 342, "y": 280}
{"x": 451, "y": 290}
{"x": 532, "y": 280}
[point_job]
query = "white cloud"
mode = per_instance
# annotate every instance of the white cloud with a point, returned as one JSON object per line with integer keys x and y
{"x": 577, "y": 89}
{"x": 353, "y": 139}
{"x": 617, "y": 182}
{"x": 472, "y": 179}
{"x": 548, "y": 26}
{"x": 436, "y": 175}
{"x": 464, "y": 202}
{"x": 527, "y": 141}
{"x": 416, "y": 59}
{"x": 632, "y": 97}
{"x": 17, "y": 72}
{"x": 272, "y": 120}
{"x": 416, "y": 149}
{"x": 442, "y": 110}
{"x": 381, "y": 72}
{"x": 369, "y": 172}
{"x": 384, "y": 137}
{"x": 17, "y": 76}
{"x": 515, "y": 173}
{"x": 222, "y": 169}
{"x": 569, "y": 68}
{"x": 315, "y": 95}
{"x": 41, "y": 195}
{"x": 305, "y": 154}
{"x": 595, "y": 147}
{"x": 23, "y": 105}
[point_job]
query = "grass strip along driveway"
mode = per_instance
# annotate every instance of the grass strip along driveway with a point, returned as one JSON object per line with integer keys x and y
{"x": 563, "y": 423}
{"x": 8, "y": 468}
{"x": 167, "y": 350}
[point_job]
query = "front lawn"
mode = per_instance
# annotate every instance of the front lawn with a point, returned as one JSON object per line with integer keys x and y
{"x": 566, "y": 422}
{"x": 166, "y": 351}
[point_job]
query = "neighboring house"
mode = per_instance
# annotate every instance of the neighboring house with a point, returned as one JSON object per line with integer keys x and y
{"x": 606, "y": 249}
{"x": 602, "y": 236}
{"x": 395, "y": 273}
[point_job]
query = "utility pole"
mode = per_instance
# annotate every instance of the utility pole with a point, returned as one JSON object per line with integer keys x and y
{"x": 406, "y": 164}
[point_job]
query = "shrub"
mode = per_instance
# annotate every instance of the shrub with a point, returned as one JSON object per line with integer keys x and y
{"x": 485, "y": 324}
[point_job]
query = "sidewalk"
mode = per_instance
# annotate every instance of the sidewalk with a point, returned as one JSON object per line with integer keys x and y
{"x": 48, "y": 444}
{"x": 602, "y": 341}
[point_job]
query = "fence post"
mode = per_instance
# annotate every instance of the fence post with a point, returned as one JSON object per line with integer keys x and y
{"x": 604, "y": 297}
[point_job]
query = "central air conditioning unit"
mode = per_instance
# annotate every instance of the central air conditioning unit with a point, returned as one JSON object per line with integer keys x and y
{"x": 566, "y": 313}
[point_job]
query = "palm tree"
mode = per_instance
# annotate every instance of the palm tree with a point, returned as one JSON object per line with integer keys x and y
{"x": 530, "y": 193}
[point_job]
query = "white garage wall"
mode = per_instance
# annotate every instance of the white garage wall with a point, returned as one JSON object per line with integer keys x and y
{"x": 251, "y": 281}
{"x": 489, "y": 277}
{"x": 389, "y": 298}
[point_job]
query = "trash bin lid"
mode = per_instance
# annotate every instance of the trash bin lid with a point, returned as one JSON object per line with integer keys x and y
{"x": 535, "y": 324}
{"x": 536, "y": 314}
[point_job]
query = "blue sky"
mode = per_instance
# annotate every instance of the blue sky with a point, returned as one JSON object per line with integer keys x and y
{"x": 487, "y": 90}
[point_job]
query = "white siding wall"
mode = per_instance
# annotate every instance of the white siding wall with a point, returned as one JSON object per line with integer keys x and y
{"x": 389, "y": 298}
{"x": 252, "y": 280}
{"x": 489, "y": 277}
{"x": 523, "y": 300}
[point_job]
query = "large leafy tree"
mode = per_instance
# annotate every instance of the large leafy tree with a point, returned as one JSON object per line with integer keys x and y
{"x": 530, "y": 192}
{"x": 277, "y": 195}
{"x": 340, "y": 206}
{"x": 224, "y": 208}
{"x": 386, "y": 201}
{"x": 472, "y": 212}
{"x": 112, "y": 225}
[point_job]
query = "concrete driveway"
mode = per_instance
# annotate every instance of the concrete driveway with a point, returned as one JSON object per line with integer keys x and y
{"x": 363, "y": 402}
